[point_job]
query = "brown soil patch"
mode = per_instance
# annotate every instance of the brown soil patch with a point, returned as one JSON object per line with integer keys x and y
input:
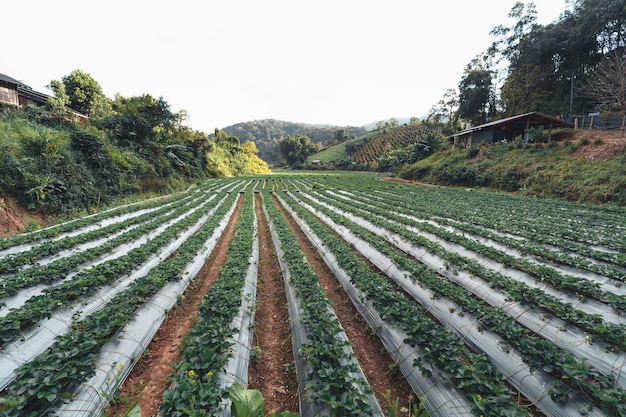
{"x": 149, "y": 377}
{"x": 269, "y": 374}
{"x": 371, "y": 354}
{"x": 14, "y": 219}
{"x": 613, "y": 144}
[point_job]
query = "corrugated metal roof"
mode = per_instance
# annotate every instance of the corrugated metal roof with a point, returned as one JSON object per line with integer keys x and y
{"x": 522, "y": 120}
{"x": 6, "y": 78}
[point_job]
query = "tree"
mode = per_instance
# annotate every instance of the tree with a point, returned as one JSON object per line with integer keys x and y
{"x": 445, "y": 111}
{"x": 140, "y": 119}
{"x": 508, "y": 39}
{"x": 85, "y": 94}
{"x": 60, "y": 100}
{"x": 521, "y": 92}
{"x": 604, "y": 21}
{"x": 340, "y": 136}
{"x": 475, "y": 96}
{"x": 608, "y": 84}
{"x": 255, "y": 164}
{"x": 296, "y": 149}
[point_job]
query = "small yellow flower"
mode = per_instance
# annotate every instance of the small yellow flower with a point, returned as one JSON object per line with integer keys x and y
{"x": 209, "y": 374}
{"x": 191, "y": 373}
{"x": 404, "y": 410}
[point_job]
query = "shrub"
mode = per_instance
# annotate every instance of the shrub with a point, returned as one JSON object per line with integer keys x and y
{"x": 472, "y": 152}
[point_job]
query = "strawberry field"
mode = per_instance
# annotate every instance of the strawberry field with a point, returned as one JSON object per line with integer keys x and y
{"x": 484, "y": 304}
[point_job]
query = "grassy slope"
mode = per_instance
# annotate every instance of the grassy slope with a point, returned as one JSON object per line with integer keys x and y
{"x": 588, "y": 166}
{"x": 338, "y": 152}
{"x": 330, "y": 154}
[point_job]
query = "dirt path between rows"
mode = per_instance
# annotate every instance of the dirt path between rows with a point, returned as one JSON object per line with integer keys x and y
{"x": 271, "y": 373}
{"x": 376, "y": 363}
{"x": 149, "y": 377}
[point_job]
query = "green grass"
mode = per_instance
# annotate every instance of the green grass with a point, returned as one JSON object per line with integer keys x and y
{"x": 550, "y": 171}
{"x": 330, "y": 154}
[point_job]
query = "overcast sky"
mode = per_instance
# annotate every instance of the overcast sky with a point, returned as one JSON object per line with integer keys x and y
{"x": 340, "y": 62}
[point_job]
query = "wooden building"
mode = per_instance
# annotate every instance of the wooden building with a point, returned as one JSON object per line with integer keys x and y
{"x": 14, "y": 93}
{"x": 507, "y": 129}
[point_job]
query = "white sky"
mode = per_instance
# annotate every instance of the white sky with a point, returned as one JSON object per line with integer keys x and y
{"x": 340, "y": 62}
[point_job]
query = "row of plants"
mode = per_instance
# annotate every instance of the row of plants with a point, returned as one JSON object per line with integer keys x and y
{"x": 44, "y": 383}
{"x": 330, "y": 376}
{"x": 65, "y": 227}
{"x": 524, "y": 246}
{"x": 396, "y": 138}
{"x": 570, "y": 226}
{"x": 527, "y": 220}
{"x": 87, "y": 281}
{"x": 12, "y": 262}
{"x": 611, "y": 333}
{"x": 60, "y": 268}
{"x": 196, "y": 389}
{"x": 577, "y": 286}
{"x": 570, "y": 373}
{"x": 440, "y": 350}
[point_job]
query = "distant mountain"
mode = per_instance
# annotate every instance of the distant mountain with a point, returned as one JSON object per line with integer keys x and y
{"x": 268, "y": 132}
{"x": 401, "y": 121}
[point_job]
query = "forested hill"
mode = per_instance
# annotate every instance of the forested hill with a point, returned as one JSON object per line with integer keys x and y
{"x": 268, "y": 132}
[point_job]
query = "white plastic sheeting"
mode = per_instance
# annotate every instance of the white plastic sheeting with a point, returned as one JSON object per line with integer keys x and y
{"x": 573, "y": 340}
{"x": 236, "y": 370}
{"x": 533, "y": 385}
{"x": 442, "y": 398}
{"x": 18, "y": 299}
{"x": 587, "y": 305}
{"x": 299, "y": 337}
{"x": 91, "y": 397}
{"x": 38, "y": 338}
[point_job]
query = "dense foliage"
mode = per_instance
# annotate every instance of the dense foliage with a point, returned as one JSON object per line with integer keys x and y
{"x": 571, "y": 66}
{"x": 296, "y": 149}
{"x": 130, "y": 145}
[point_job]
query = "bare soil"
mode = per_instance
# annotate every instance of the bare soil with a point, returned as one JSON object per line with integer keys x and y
{"x": 149, "y": 377}
{"x": 376, "y": 363}
{"x": 271, "y": 374}
{"x": 602, "y": 145}
{"x": 14, "y": 218}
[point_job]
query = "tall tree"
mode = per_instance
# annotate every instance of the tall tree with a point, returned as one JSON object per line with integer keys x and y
{"x": 60, "y": 100}
{"x": 475, "y": 96}
{"x": 608, "y": 83}
{"x": 296, "y": 149}
{"x": 445, "y": 112}
{"x": 85, "y": 94}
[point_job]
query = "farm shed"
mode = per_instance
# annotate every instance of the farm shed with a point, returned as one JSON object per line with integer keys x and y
{"x": 506, "y": 129}
{"x": 16, "y": 94}
{"x": 8, "y": 91}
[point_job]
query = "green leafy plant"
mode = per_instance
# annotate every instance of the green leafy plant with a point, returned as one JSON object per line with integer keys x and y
{"x": 246, "y": 402}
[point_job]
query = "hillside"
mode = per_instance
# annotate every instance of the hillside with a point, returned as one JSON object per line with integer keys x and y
{"x": 585, "y": 165}
{"x": 268, "y": 132}
{"x": 366, "y": 150}
{"x": 398, "y": 138}
{"x": 50, "y": 167}
{"x": 340, "y": 151}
